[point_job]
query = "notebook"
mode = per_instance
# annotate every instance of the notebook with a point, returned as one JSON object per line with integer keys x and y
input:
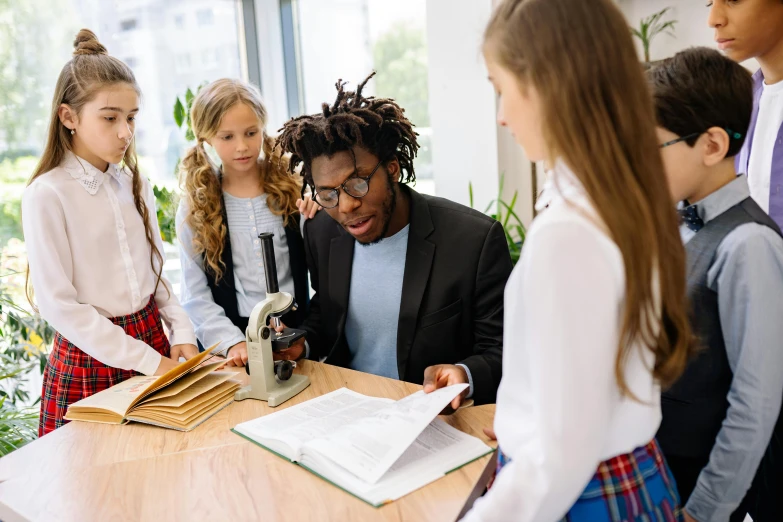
{"x": 375, "y": 449}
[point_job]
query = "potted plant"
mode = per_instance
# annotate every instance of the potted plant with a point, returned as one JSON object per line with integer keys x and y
{"x": 507, "y": 216}
{"x": 652, "y": 26}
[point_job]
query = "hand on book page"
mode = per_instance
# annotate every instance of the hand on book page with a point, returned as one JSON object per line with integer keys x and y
{"x": 370, "y": 446}
{"x": 442, "y": 375}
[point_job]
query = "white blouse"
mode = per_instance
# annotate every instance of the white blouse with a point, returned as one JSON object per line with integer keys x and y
{"x": 559, "y": 409}
{"x": 90, "y": 260}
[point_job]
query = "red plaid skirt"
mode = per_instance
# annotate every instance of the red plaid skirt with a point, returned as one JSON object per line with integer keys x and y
{"x": 71, "y": 375}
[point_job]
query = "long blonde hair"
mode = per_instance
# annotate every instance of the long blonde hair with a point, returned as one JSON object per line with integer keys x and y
{"x": 200, "y": 179}
{"x": 599, "y": 119}
{"x": 90, "y": 70}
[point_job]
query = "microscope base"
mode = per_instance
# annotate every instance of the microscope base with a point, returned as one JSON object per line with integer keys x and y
{"x": 282, "y": 391}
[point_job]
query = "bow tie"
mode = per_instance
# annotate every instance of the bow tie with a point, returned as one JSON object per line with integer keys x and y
{"x": 690, "y": 217}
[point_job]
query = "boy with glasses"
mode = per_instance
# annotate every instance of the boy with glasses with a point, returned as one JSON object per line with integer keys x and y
{"x": 721, "y": 417}
{"x": 406, "y": 286}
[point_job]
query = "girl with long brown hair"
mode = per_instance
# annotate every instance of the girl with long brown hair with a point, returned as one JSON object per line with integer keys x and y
{"x": 226, "y": 206}
{"x": 595, "y": 317}
{"x": 93, "y": 245}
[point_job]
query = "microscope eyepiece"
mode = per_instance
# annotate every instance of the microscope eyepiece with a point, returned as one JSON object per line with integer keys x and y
{"x": 270, "y": 267}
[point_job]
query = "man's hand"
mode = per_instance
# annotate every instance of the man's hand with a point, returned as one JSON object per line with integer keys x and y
{"x": 237, "y": 354}
{"x": 442, "y": 375}
{"x": 489, "y": 432}
{"x": 183, "y": 350}
{"x": 687, "y": 517}
{"x": 307, "y": 207}
{"x": 293, "y": 353}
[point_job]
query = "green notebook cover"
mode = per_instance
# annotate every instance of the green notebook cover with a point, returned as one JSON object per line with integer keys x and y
{"x": 491, "y": 450}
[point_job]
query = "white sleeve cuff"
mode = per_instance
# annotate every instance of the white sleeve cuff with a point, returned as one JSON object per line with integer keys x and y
{"x": 183, "y": 336}
{"x": 149, "y": 363}
{"x": 470, "y": 381}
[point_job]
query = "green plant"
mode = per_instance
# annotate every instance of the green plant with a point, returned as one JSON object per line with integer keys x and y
{"x": 24, "y": 337}
{"x": 182, "y": 108}
{"x": 17, "y": 426}
{"x": 167, "y": 202}
{"x": 507, "y": 216}
{"x": 652, "y": 26}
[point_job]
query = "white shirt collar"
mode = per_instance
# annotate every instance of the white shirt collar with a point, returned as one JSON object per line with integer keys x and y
{"x": 560, "y": 183}
{"x": 86, "y": 174}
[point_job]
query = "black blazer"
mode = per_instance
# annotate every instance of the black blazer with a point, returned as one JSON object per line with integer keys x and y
{"x": 224, "y": 291}
{"x": 451, "y": 309}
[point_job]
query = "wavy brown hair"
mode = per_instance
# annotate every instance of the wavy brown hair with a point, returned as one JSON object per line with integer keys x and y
{"x": 599, "y": 119}
{"x": 90, "y": 70}
{"x": 201, "y": 180}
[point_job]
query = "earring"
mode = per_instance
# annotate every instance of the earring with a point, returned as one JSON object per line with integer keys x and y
{"x": 73, "y": 132}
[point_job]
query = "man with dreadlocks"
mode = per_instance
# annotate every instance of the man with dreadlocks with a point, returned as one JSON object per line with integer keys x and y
{"x": 406, "y": 286}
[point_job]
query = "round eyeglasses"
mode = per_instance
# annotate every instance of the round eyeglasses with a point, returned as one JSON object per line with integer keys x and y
{"x": 355, "y": 186}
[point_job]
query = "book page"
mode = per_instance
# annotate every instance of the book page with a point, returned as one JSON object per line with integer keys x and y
{"x": 184, "y": 389}
{"x": 176, "y": 372}
{"x": 439, "y": 449}
{"x": 315, "y": 418}
{"x": 118, "y": 398}
{"x": 370, "y": 445}
{"x": 203, "y": 390}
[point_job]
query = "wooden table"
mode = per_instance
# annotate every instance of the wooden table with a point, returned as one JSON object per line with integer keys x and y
{"x": 85, "y": 471}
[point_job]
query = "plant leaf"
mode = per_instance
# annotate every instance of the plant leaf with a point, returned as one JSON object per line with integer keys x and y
{"x": 179, "y": 113}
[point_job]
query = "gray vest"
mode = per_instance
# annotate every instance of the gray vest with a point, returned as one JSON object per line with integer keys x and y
{"x": 694, "y": 408}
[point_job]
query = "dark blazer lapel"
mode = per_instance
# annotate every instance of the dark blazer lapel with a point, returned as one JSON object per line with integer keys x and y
{"x": 340, "y": 269}
{"x": 418, "y": 263}
{"x": 227, "y": 257}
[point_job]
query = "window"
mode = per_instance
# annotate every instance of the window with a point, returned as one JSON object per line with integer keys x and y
{"x": 182, "y": 63}
{"x": 205, "y": 17}
{"x": 209, "y": 57}
{"x": 152, "y": 37}
{"x": 128, "y": 25}
{"x": 362, "y": 36}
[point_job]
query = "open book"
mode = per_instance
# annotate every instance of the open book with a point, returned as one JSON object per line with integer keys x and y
{"x": 376, "y": 449}
{"x": 180, "y": 399}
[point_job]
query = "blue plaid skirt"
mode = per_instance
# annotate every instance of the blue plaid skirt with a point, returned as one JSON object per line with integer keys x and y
{"x": 635, "y": 487}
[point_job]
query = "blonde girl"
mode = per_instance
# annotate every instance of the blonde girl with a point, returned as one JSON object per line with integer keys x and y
{"x": 225, "y": 206}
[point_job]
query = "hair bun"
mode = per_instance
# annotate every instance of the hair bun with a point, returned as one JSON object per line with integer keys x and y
{"x": 87, "y": 43}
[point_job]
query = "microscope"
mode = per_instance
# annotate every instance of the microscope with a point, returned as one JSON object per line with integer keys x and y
{"x": 271, "y": 381}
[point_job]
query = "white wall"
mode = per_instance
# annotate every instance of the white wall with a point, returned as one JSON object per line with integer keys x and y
{"x": 462, "y": 102}
{"x": 691, "y": 28}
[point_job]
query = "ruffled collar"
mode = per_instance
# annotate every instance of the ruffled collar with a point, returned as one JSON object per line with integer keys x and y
{"x": 86, "y": 174}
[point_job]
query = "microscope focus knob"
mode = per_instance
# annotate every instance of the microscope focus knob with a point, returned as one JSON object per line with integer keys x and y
{"x": 284, "y": 370}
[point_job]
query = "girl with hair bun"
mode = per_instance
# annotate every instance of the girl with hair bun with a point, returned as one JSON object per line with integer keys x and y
{"x": 93, "y": 243}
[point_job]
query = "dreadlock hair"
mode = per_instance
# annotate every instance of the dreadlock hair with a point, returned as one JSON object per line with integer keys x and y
{"x": 378, "y": 125}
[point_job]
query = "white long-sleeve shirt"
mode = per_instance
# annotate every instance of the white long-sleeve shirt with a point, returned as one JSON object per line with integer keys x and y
{"x": 90, "y": 260}
{"x": 559, "y": 409}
